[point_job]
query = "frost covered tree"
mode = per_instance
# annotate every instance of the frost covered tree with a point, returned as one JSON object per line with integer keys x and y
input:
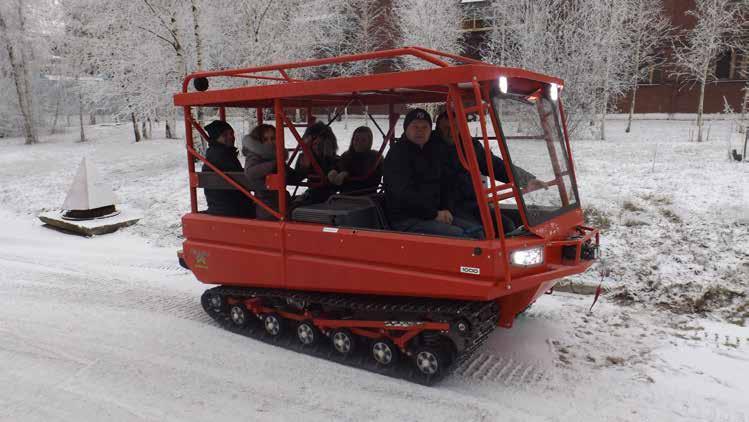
{"x": 590, "y": 44}
{"x": 144, "y": 48}
{"x": 552, "y": 37}
{"x": 199, "y": 65}
{"x": 74, "y": 64}
{"x": 611, "y": 53}
{"x": 14, "y": 36}
{"x": 718, "y": 26}
{"x": 141, "y": 48}
{"x": 434, "y": 24}
{"x": 358, "y": 26}
{"x": 650, "y": 29}
{"x": 258, "y": 32}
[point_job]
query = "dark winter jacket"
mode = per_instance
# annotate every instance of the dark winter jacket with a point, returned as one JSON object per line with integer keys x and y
{"x": 230, "y": 203}
{"x": 358, "y": 166}
{"x": 463, "y": 187}
{"x": 321, "y": 193}
{"x": 417, "y": 180}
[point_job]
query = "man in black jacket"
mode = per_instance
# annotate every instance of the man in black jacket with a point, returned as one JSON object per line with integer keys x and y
{"x": 417, "y": 182}
{"x": 222, "y": 154}
{"x": 464, "y": 197}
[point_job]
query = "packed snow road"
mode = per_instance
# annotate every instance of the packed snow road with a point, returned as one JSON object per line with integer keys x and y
{"x": 111, "y": 328}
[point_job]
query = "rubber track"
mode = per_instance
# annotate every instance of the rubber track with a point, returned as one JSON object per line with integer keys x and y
{"x": 480, "y": 315}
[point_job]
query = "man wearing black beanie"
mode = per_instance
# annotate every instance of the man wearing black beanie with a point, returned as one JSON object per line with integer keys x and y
{"x": 417, "y": 181}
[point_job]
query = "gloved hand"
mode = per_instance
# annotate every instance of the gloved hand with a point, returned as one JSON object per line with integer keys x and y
{"x": 340, "y": 178}
{"x": 332, "y": 175}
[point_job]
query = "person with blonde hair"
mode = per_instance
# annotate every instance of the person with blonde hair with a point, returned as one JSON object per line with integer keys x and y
{"x": 259, "y": 149}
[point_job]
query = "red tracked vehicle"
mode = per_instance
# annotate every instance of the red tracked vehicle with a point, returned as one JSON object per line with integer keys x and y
{"x": 332, "y": 279}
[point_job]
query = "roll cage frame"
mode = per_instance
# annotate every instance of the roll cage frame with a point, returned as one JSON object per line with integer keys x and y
{"x": 465, "y": 87}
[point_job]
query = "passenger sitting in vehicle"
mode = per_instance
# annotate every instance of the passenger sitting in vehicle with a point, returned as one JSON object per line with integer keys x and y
{"x": 259, "y": 149}
{"x": 222, "y": 154}
{"x": 356, "y": 163}
{"x": 324, "y": 145}
{"x": 466, "y": 205}
{"x": 417, "y": 183}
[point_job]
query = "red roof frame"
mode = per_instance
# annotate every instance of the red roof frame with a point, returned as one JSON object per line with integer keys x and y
{"x": 427, "y": 85}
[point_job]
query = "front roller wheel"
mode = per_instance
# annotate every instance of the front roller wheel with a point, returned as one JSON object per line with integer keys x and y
{"x": 431, "y": 361}
{"x": 213, "y": 303}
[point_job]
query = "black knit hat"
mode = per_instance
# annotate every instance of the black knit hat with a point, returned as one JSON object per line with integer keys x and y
{"x": 216, "y": 128}
{"x": 317, "y": 130}
{"x": 417, "y": 114}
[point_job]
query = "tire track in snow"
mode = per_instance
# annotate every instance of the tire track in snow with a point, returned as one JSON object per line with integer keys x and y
{"x": 490, "y": 368}
{"x": 50, "y": 283}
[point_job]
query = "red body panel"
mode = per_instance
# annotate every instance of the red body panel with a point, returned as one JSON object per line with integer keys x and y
{"x": 243, "y": 252}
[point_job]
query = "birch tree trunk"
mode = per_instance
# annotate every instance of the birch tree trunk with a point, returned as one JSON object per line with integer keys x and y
{"x": 198, "y": 47}
{"x": 604, "y": 108}
{"x": 24, "y": 70}
{"x": 20, "y": 79}
{"x": 57, "y": 114}
{"x": 135, "y": 127}
{"x": 744, "y": 104}
{"x": 635, "y": 75}
{"x": 631, "y": 108}
{"x": 167, "y": 129}
{"x": 607, "y": 73}
{"x": 701, "y": 104}
{"x": 182, "y": 71}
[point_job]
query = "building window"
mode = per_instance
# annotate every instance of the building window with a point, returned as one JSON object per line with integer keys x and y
{"x": 724, "y": 65}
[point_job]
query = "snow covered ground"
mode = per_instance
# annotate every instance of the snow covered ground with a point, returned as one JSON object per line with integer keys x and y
{"x": 110, "y": 327}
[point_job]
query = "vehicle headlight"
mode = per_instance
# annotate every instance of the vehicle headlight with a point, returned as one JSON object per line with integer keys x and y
{"x": 503, "y": 84}
{"x": 553, "y": 91}
{"x": 527, "y": 257}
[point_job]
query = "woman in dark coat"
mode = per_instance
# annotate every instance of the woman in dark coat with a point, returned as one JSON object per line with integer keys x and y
{"x": 222, "y": 154}
{"x": 324, "y": 145}
{"x": 354, "y": 167}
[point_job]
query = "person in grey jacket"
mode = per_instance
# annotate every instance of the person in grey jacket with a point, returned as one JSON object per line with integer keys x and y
{"x": 259, "y": 149}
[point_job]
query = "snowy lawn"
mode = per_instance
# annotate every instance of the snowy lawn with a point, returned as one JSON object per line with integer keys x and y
{"x": 111, "y": 327}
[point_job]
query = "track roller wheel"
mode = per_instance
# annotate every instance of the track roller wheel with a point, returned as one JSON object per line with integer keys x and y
{"x": 431, "y": 361}
{"x": 273, "y": 324}
{"x": 213, "y": 302}
{"x": 385, "y": 352}
{"x": 343, "y": 341}
{"x": 307, "y": 333}
{"x": 239, "y": 314}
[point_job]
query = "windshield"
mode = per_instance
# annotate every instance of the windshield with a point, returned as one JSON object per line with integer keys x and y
{"x": 538, "y": 153}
